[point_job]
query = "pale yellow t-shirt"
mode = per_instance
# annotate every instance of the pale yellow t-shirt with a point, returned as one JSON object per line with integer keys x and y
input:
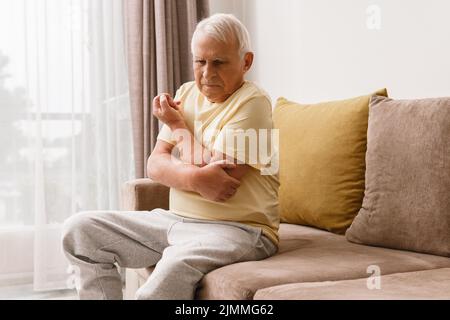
{"x": 256, "y": 200}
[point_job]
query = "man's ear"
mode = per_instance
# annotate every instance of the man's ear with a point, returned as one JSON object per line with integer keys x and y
{"x": 248, "y": 61}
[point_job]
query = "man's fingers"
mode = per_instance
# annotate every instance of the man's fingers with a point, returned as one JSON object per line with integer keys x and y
{"x": 156, "y": 106}
{"x": 227, "y": 196}
{"x": 164, "y": 102}
{"x": 235, "y": 182}
{"x": 225, "y": 164}
{"x": 156, "y": 102}
{"x": 177, "y": 105}
{"x": 170, "y": 101}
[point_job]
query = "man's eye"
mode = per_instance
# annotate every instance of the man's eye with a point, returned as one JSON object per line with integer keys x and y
{"x": 200, "y": 61}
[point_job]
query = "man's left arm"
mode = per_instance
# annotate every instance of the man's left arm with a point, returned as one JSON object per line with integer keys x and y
{"x": 191, "y": 151}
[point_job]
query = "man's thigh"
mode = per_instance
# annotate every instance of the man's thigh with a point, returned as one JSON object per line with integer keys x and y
{"x": 207, "y": 246}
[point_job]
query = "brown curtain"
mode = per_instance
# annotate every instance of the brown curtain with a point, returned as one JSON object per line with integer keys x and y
{"x": 158, "y": 35}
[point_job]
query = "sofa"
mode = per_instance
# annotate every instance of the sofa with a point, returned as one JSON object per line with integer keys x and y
{"x": 317, "y": 261}
{"x": 310, "y": 264}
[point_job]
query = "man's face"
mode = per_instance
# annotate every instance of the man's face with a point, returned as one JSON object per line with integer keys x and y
{"x": 218, "y": 68}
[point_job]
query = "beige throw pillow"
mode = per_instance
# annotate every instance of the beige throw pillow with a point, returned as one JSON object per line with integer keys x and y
{"x": 406, "y": 202}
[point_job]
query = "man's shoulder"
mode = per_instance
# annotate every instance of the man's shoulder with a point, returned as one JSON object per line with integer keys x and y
{"x": 186, "y": 87}
{"x": 254, "y": 99}
{"x": 254, "y": 91}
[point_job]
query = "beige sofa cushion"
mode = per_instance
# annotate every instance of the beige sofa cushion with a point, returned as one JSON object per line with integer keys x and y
{"x": 407, "y": 194}
{"x": 429, "y": 284}
{"x": 308, "y": 255}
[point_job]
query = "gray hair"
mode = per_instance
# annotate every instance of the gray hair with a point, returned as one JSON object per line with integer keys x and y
{"x": 222, "y": 27}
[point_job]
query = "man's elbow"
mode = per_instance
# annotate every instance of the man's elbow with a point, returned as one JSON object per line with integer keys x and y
{"x": 152, "y": 168}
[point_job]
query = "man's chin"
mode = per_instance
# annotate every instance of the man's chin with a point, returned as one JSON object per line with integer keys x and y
{"x": 213, "y": 96}
{"x": 212, "y": 89}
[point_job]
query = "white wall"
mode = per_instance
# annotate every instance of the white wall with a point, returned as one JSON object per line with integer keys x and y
{"x": 228, "y": 6}
{"x": 314, "y": 50}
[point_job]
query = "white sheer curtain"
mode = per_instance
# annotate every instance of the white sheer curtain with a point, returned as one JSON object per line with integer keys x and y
{"x": 65, "y": 128}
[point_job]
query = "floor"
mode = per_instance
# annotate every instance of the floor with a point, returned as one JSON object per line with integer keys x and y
{"x": 26, "y": 292}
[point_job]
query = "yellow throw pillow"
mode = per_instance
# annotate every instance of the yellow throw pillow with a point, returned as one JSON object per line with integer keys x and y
{"x": 322, "y": 161}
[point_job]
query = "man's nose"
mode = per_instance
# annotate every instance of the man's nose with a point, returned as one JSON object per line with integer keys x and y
{"x": 208, "y": 71}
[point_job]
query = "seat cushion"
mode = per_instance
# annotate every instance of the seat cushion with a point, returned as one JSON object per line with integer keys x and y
{"x": 307, "y": 254}
{"x": 429, "y": 284}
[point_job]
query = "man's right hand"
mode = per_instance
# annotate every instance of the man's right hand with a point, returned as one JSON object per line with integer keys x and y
{"x": 213, "y": 183}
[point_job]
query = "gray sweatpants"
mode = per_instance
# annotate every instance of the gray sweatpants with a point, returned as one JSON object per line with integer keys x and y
{"x": 182, "y": 249}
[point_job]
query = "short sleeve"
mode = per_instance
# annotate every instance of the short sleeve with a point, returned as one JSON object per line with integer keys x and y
{"x": 165, "y": 134}
{"x": 249, "y": 137}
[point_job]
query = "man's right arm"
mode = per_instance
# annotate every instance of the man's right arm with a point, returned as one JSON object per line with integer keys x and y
{"x": 210, "y": 181}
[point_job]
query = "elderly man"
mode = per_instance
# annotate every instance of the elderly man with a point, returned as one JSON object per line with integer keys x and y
{"x": 223, "y": 209}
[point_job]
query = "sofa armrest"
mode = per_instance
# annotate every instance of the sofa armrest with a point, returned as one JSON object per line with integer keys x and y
{"x": 144, "y": 194}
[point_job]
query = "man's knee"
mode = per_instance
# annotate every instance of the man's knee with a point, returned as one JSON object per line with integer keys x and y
{"x": 75, "y": 228}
